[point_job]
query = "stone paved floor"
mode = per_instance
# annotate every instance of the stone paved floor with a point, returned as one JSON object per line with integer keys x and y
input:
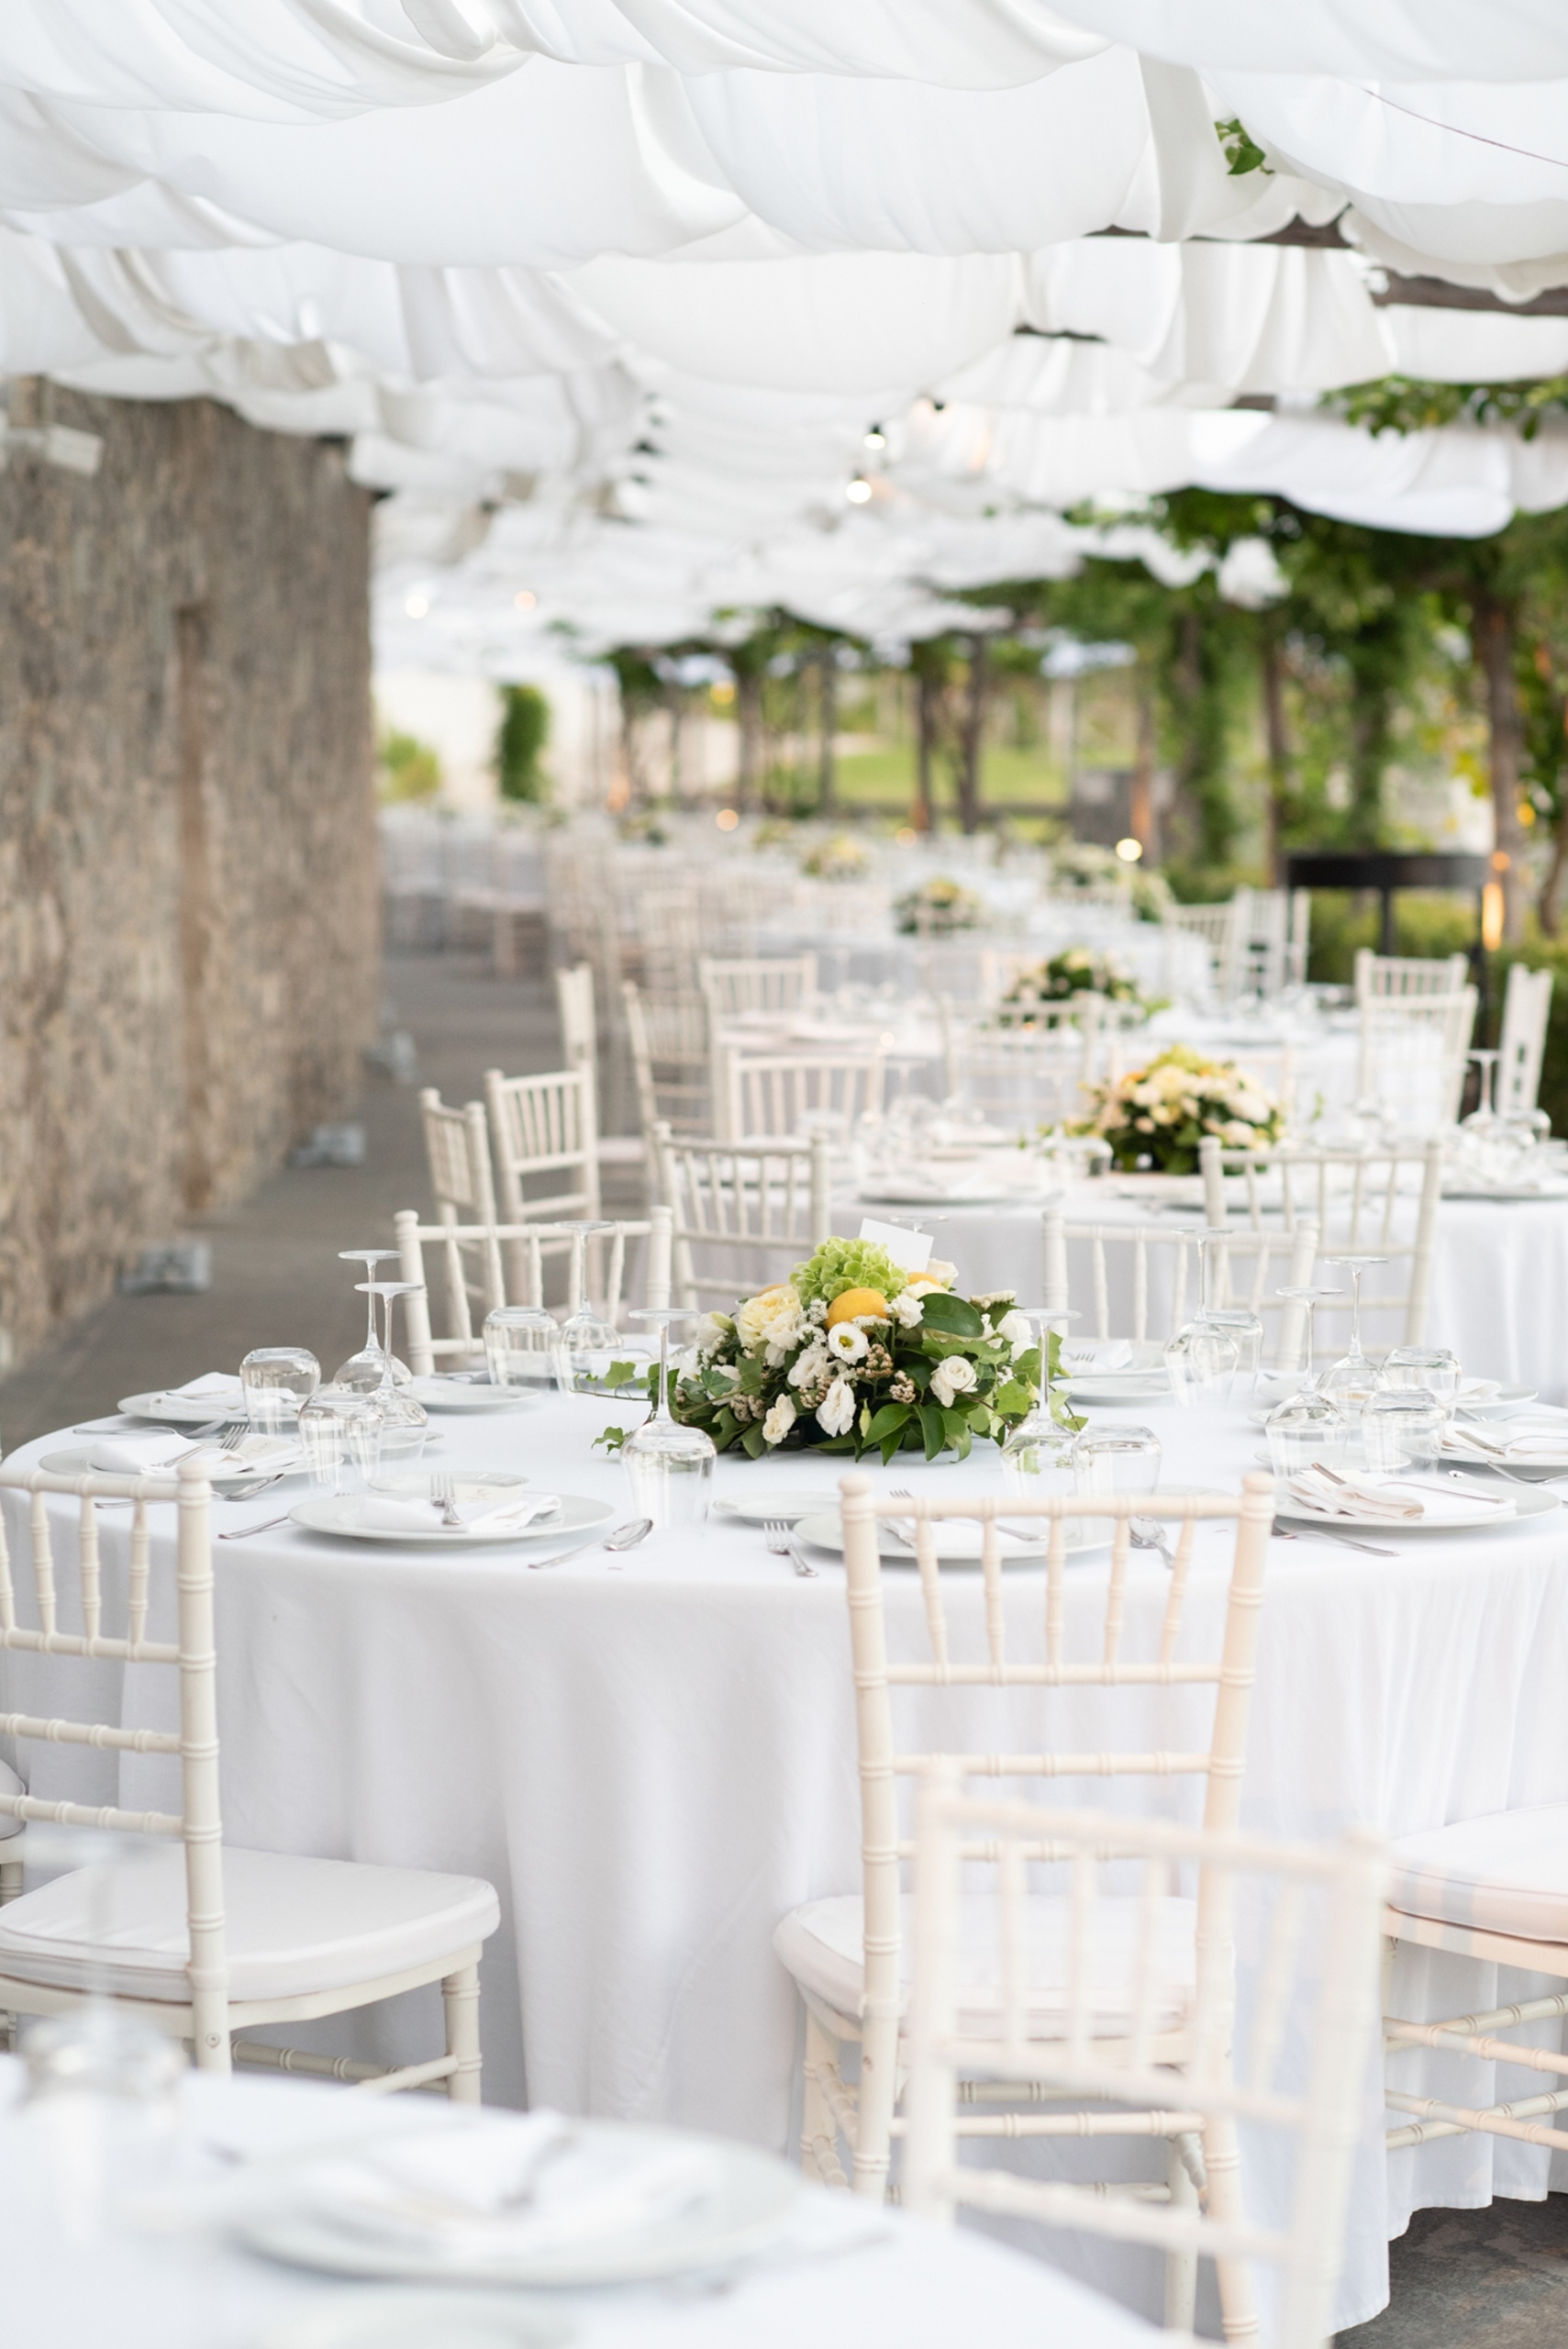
{"x": 1473, "y": 2279}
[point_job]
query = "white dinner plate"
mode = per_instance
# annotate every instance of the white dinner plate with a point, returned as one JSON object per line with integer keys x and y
{"x": 1541, "y": 1195}
{"x": 756, "y": 1509}
{"x": 407, "y": 2318}
{"x": 942, "y": 1203}
{"x": 1120, "y": 1387}
{"x": 752, "y": 2196}
{"x": 179, "y": 1410}
{"x": 1542, "y": 1468}
{"x": 337, "y": 1513}
{"x": 452, "y": 1395}
{"x": 827, "y": 1533}
{"x": 79, "y": 1463}
{"x": 1493, "y": 1407}
{"x": 1486, "y": 1512}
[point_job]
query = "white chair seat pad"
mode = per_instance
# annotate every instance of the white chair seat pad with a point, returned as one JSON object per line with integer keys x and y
{"x": 822, "y": 1944}
{"x": 293, "y": 1926}
{"x": 1504, "y": 1872}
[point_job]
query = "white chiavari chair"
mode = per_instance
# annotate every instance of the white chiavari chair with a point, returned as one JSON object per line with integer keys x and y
{"x": 672, "y": 1060}
{"x": 669, "y": 925}
{"x": 1311, "y": 1913}
{"x": 13, "y": 1838}
{"x": 736, "y": 985}
{"x": 1411, "y": 1056}
{"x": 743, "y": 1217}
{"x": 1021, "y": 1078}
{"x": 1382, "y": 1203}
{"x": 520, "y": 1248}
{"x": 1526, "y": 1008}
{"x": 848, "y": 1954}
{"x": 1216, "y": 927}
{"x": 457, "y": 1146}
{"x": 1395, "y": 977}
{"x": 1273, "y": 930}
{"x": 776, "y": 1094}
{"x": 199, "y": 1939}
{"x": 1142, "y": 1279}
{"x": 545, "y": 1133}
{"x": 580, "y": 1048}
{"x": 1493, "y": 1889}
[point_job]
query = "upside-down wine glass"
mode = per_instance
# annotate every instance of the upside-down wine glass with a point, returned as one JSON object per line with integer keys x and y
{"x": 362, "y": 1371}
{"x": 587, "y": 1341}
{"x": 1352, "y": 1382}
{"x": 669, "y": 1466}
{"x": 1307, "y": 1425}
{"x": 1202, "y": 1357}
{"x": 405, "y": 1424}
{"x": 1037, "y": 1457}
{"x": 1239, "y": 1322}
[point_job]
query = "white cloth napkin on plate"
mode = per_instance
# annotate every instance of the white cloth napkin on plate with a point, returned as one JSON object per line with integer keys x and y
{"x": 221, "y": 1388}
{"x": 1478, "y": 1390}
{"x": 137, "y": 1455}
{"x": 1399, "y": 1499}
{"x": 385, "y": 1513}
{"x": 1546, "y": 1439}
{"x": 1103, "y": 1356}
{"x": 506, "y": 2188}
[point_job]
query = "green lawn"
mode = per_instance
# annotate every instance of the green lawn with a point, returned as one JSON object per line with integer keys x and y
{"x": 885, "y": 779}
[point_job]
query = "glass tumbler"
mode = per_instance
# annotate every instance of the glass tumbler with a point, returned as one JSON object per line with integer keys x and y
{"x": 1402, "y": 1427}
{"x": 339, "y": 1433}
{"x": 1109, "y": 1460}
{"x": 277, "y": 1380}
{"x": 1304, "y": 1428}
{"x": 522, "y": 1348}
{"x": 1201, "y": 1361}
{"x": 1432, "y": 1368}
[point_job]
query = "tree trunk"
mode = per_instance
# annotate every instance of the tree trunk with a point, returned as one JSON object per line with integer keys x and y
{"x": 1494, "y": 623}
{"x": 1142, "y": 812}
{"x": 1278, "y": 740}
{"x": 748, "y": 713}
{"x": 927, "y": 732}
{"x": 827, "y": 718}
{"x": 1547, "y": 912}
{"x": 970, "y": 739}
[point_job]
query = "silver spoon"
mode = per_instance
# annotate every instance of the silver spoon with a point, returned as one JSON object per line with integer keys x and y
{"x": 625, "y": 1537}
{"x": 1148, "y": 1533}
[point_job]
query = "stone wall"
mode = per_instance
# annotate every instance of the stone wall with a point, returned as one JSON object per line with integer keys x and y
{"x": 187, "y": 846}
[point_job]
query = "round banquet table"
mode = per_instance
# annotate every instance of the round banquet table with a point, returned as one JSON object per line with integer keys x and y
{"x": 1499, "y": 1290}
{"x": 654, "y": 1759}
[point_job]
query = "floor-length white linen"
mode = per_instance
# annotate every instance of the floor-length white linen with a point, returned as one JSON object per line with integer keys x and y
{"x": 653, "y": 1763}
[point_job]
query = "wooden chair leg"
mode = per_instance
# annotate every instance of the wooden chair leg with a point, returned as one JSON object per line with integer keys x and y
{"x": 818, "y": 2130}
{"x": 1238, "y": 2307}
{"x": 460, "y": 1998}
{"x": 10, "y": 1880}
{"x": 1180, "y": 2266}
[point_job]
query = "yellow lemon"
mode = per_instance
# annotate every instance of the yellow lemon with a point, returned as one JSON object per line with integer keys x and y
{"x": 854, "y": 1302}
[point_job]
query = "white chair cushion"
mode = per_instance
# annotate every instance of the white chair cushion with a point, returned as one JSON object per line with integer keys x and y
{"x": 10, "y": 1784}
{"x": 822, "y": 1942}
{"x": 293, "y": 1926}
{"x": 1506, "y": 1873}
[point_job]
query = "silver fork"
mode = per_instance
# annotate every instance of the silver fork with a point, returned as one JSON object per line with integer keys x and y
{"x": 1148, "y": 1533}
{"x": 442, "y": 1498}
{"x": 780, "y": 1537}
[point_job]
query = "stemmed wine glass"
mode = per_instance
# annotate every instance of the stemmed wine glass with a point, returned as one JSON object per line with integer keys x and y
{"x": 1037, "y": 1457}
{"x": 1203, "y": 1357}
{"x": 1239, "y": 1322}
{"x": 403, "y": 1422}
{"x": 362, "y": 1371}
{"x": 670, "y": 1466}
{"x": 584, "y": 1335}
{"x": 1353, "y": 1380}
{"x": 1307, "y": 1425}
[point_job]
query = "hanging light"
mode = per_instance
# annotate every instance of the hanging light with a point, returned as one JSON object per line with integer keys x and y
{"x": 525, "y": 599}
{"x": 859, "y": 491}
{"x": 1130, "y": 851}
{"x": 416, "y": 606}
{"x": 875, "y": 438}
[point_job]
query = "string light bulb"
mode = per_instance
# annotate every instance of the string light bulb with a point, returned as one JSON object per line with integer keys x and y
{"x": 859, "y": 491}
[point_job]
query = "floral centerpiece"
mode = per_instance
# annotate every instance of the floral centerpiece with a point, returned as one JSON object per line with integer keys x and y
{"x": 1077, "y": 970}
{"x": 850, "y": 1354}
{"x": 1083, "y": 866}
{"x": 840, "y": 857}
{"x": 1156, "y": 1116}
{"x": 937, "y": 907}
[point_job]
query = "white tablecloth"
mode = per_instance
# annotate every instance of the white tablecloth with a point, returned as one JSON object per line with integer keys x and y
{"x": 1499, "y": 1293}
{"x": 654, "y": 1764}
{"x": 923, "y": 2287}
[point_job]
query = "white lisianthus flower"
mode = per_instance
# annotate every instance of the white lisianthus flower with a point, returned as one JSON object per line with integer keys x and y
{"x": 773, "y": 1316}
{"x": 813, "y": 1362}
{"x": 906, "y": 1307}
{"x": 849, "y": 1342}
{"x": 780, "y": 1420}
{"x": 953, "y": 1377}
{"x": 711, "y": 1332}
{"x": 836, "y": 1411}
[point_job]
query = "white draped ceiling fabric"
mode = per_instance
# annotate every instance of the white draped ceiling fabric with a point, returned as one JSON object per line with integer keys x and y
{"x": 608, "y": 294}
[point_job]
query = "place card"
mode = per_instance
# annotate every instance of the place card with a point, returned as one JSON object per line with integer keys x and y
{"x": 910, "y": 1251}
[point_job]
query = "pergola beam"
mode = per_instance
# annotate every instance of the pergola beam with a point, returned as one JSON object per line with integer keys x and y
{"x": 1398, "y": 290}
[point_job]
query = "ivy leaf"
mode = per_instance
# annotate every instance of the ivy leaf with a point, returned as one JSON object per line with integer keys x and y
{"x": 1012, "y": 1396}
{"x": 619, "y": 1375}
{"x": 611, "y": 1438}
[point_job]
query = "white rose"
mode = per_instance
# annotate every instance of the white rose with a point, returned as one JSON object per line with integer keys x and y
{"x": 1014, "y": 1332}
{"x": 836, "y": 1411}
{"x": 953, "y": 1376}
{"x": 812, "y": 1362}
{"x": 772, "y": 1318}
{"x": 779, "y": 1422}
{"x": 848, "y": 1341}
{"x": 712, "y": 1330}
{"x": 907, "y": 1309}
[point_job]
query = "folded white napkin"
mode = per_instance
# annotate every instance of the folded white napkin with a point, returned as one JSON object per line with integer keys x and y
{"x": 1546, "y": 1439}
{"x": 1479, "y": 1390}
{"x": 1101, "y": 1355}
{"x": 533, "y": 2185}
{"x": 144, "y": 1455}
{"x": 137, "y": 1455}
{"x": 955, "y": 1538}
{"x": 221, "y": 1388}
{"x": 387, "y": 1514}
{"x": 1402, "y": 1500}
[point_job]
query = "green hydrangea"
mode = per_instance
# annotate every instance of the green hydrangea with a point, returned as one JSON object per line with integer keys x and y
{"x": 839, "y": 1264}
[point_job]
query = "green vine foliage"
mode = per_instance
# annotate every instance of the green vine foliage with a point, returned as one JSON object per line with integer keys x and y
{"x": 1406, "y": 403}
{"x": 1243, "y": 152}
